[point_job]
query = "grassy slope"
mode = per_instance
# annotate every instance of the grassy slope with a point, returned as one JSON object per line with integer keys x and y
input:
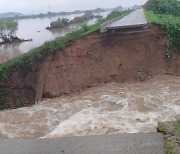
{"x": 171, "y": 25}
{"x": 28, "y": 61}
{"x": 171, "y": 131}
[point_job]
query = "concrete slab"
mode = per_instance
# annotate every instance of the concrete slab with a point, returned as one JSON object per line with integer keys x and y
{"x": 150, "y": 143}
{"x": 133, "y": 19}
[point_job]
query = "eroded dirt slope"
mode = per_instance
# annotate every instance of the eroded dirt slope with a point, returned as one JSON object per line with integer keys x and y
{"x": 102, "y": 58}
{"x": 123, "y": 56}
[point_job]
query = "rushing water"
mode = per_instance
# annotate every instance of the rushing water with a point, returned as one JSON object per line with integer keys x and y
{"x": 108, "y": 109}
{"x": 35, "y": 29}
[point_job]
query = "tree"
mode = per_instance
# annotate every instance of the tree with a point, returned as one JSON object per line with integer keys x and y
{"x": 8, "y": 28}
{"x": 59, "y": 23}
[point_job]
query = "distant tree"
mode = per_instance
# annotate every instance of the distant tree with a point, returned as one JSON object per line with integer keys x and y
{"x": 119, "y": 8}
{"x": 40, "y": 15}
{"x": 87, "y": 16}
{"x": 59, "y": 23}
{"x": 98, "y": 10}
{"x": 8, "y": 28}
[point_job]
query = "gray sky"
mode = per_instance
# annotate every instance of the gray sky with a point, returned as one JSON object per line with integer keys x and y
{"x": 37, "y": 6}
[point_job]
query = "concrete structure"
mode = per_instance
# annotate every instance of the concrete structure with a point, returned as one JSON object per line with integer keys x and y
{"x": 134, "y": 19}
{"x": 151, "y": 143}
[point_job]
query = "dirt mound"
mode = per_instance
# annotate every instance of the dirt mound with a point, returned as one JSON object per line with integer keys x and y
{"x": 101, "y": 58}
{"x": 124, "y": 56}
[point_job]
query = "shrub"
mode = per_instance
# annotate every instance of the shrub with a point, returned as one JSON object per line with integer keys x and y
{"x": 171, "y": 25}
{"x": 164, "y": 6}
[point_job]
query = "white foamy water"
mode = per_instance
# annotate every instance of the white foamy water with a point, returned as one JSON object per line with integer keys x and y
{"x": 108, "y": 109}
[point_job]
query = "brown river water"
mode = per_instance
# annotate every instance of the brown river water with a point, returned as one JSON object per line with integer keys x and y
{"x": 108, "y": 109}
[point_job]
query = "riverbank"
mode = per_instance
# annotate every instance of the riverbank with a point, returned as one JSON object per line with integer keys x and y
{"x": 47, "y": 73}
{"x": 30, "y": 63}
{"x": 171, "y": 131}
{"x": 170, "y": 25}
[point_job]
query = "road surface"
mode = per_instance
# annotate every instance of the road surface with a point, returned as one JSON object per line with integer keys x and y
{"x": 134, "y": 19}
{"x": 151, "y": 143}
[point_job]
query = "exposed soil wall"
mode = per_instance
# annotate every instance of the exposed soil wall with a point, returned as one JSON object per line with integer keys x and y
{"x": 122, "y": 56}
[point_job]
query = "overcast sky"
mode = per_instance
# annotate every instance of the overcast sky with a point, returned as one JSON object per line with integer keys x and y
{"x": 38, "y": 6}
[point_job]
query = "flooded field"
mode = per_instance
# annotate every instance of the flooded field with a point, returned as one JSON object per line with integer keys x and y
{"x": 35, "y": 29}
{"x": 107, "y": 109}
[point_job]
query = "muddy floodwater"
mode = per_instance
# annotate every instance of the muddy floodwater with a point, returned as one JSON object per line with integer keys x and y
{"x": 35, "y": 29}
{"x": 108, "y": 109}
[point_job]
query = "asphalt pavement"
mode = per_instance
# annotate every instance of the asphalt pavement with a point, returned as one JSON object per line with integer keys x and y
{"x": 150, "y": 143}
{"x": 133, "y": 19}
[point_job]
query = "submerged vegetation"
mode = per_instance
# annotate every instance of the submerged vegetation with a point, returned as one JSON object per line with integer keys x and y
{"x": 8, "y": 28}
{"x": 28, "y": 61}
{"x": 87, "y": 16}
{"x": 166, "y": 14}
{"x": 60, "y": 23}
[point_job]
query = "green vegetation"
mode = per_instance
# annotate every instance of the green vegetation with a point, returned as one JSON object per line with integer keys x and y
{"x": 60, "y": 23}
{"x": 171, "y": 131}
{"x": 177, "y": 129}
{"x": 166, "y": 14}
{"x": 161, "y": 127}
{"x": 19, "y": 104}
{"x": 87, "y": 16}
{"x": 169, "y": 147}
{"x": 53, "y": 14}
{"x": 3, "y": 99}
{"x": 8, "y": 28}
{"x": 28, "y": 61}
{"x": 164, "y": 6}
{"x": 171, "y": 25}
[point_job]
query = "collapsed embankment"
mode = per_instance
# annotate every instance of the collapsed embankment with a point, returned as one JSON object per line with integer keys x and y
{"x": 127, "y": 55}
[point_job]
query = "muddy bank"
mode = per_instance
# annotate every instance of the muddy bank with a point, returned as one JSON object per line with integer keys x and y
{"x": 124, "y": 56}
{"x": 108, "y": 57}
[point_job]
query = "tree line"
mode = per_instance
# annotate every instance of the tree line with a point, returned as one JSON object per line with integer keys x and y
{"x": 63, "y": 22}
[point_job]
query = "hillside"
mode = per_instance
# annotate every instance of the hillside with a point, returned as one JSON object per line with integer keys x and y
{"x": 10, "y": 15}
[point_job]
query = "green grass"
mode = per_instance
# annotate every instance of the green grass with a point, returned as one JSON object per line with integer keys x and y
{"x": 171, "y": 25}
{"x": 169, "y": 147}
{"x": 171, "y": 133}
{"x": 3, "y": 96}
{"x": 161, "y": 127}
{"x": 19, "y": 104}
{"x": 28, "y": 61}
{"x": 164, "y": 6}
{"x": 177, "y": 129}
